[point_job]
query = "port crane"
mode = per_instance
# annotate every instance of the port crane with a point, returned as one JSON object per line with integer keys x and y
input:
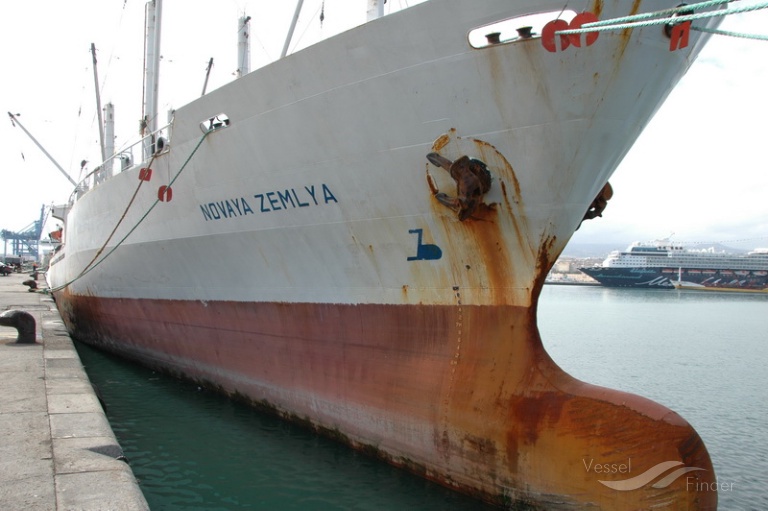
{"x": 25, "y": 243}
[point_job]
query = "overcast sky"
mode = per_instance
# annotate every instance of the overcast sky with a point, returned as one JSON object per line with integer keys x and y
{"x": 698, "y": 171}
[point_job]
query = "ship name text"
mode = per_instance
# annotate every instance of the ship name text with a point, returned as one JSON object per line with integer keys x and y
{"x": 268, "y": 202}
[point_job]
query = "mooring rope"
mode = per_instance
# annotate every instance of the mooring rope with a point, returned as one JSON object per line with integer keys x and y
{"x": 91, "y": 266}
{"x": 618, "y": 23}
{"x": 655, "y": 14}
{"x": 731, "y": 34}
{"x": 119, "y": 222}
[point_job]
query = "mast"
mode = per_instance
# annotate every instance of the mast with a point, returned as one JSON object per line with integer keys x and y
{"x": 243, "y": 46}
{"x": 293, "y": 27}
{"x": 154, "y": 10}
{"x": 109, "y": 140}
{"x": 98, "y": 103}
{"x": 375, "y": 9}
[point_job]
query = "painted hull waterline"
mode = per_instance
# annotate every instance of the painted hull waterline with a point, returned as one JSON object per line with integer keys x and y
{"x": 309, "y": 261}
{"x": 502, "y": 417}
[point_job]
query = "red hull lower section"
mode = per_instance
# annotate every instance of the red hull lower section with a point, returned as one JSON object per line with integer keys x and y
{"x": 463, "y": 395}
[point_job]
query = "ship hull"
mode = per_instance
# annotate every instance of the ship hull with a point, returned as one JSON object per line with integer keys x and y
{"x": 465, "y": 396}
{"x": 311, "y": 260}
{"x": 664, "y": 278}
{"x": 724, "y": 279}
{"x": 638, "y": 278}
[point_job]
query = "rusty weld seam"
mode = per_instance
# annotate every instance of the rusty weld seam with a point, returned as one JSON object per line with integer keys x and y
{"x": 455, "y": 360}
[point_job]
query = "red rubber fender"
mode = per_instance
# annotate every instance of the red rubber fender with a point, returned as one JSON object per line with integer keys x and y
{"x": 165, "y": 193}
{"x": 548, "y": 35}
{"x": 579, "y": 20}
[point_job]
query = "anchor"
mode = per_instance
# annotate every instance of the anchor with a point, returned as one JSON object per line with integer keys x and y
{"x": 599, "y": 203}
{"x": 472, "y": 178}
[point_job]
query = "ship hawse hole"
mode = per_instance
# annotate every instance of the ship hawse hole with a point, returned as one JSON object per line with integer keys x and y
{"x": 514, "y": 30}
{"x": 217, "y": 122}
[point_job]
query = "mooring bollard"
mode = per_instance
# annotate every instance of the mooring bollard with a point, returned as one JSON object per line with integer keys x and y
{"x": 23, "y": 322}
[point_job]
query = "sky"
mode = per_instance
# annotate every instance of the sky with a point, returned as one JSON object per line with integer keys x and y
{"x": 698, "y": 171}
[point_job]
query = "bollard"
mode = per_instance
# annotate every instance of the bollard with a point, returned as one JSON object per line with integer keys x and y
{"x": 23, "y": 322}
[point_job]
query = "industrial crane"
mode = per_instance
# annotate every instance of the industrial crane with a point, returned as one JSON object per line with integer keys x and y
{"x": 25, "y": 243}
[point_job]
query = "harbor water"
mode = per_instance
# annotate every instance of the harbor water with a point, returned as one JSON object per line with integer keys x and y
{"x": 700, "y": 354}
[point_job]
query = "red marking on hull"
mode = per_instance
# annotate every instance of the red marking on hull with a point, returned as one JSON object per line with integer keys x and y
{"x": 463, "y": 395}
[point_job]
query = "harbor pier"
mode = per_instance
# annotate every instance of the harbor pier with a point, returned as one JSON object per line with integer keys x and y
{"x": 58, "y": 451}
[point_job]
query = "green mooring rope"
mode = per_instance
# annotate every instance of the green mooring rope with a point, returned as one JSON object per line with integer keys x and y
{"x": 91, "y": 266}
{"x": 618, "y": 23}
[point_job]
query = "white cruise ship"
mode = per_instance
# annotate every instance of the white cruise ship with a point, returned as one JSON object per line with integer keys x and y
{"x": 660, "y": 263}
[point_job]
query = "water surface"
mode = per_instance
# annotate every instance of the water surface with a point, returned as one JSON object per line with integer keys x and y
{"x": 192, "y": 449}
{"x": 702, "y": 354}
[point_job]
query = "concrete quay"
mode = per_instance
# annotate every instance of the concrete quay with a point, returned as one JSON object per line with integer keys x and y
{"x": 57, "y": 449}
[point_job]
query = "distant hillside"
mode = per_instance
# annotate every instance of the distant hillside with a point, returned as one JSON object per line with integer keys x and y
{"x": 585, "y": 250}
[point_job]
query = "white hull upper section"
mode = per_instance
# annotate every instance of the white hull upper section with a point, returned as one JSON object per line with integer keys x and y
{"x": 319, "y": 188}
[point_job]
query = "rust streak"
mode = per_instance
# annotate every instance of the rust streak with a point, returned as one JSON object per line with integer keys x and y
{"x": 544, "y": 263}
{"x": 443, "y": 140}
{"x": 597, "y": 8}
{"x": 627, "y": 32}
{"x": 431, "y": 182}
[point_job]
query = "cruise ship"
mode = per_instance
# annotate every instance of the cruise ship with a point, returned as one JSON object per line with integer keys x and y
{"x": 662, "y": 263}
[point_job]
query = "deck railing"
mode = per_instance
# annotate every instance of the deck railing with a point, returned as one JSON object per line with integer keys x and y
{"x": 153, "y": 144}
